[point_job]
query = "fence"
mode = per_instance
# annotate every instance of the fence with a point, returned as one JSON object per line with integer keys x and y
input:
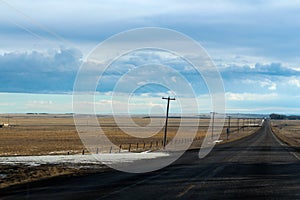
{"x": 158, "y": 144}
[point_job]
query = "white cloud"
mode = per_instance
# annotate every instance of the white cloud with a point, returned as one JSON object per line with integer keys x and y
{"x": 266, "y": 83}
{"x": 294, "y": 82}
{"x": 56, "y": 72}
{"x": 273, "y": 86}
{"x": 269, "y": 84}
{"x": 250, "y": 96}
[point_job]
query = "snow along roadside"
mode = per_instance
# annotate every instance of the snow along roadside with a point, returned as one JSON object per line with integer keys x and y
{"x": 80, "y": 159}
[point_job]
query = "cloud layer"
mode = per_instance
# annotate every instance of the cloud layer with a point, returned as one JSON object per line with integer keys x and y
{"x": 255, "y": 44}
{"x": 38, "y": 72}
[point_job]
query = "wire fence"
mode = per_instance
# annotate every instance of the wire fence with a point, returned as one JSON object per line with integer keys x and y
{"x": 176, "y": 143}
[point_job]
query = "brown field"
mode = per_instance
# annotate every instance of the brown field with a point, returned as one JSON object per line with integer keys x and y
{"x": 288, "y": 131}
{"x": 20, "y": 174}
{"x": 56, "y": 134}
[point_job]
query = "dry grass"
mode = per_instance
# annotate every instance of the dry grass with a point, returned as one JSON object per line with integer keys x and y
{"x": 16, "y": 174}
{"x": 36, "y": 136}
{"x": 288, "y": 131}
{"x": 56, "y": 134}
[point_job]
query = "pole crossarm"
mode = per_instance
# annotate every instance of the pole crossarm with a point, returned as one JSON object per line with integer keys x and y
{"x": 168, "y": 98}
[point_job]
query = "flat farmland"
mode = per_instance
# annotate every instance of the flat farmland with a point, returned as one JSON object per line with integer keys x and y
{"x": 288, "y": 131}
{"x": 46, "y": 134}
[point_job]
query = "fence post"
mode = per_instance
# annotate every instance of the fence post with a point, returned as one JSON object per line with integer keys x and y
{"x": 83, "y": 152}
{"x": 97, "y": 151}
{"x": 129, "y": 147}
{"x": 120, "y": 148}
{"x": 137, "y": 146}
{"x": 110, "y": 149}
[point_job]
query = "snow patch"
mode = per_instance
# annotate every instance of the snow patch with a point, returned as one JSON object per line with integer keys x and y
{"x": 112, "y": 158}
{"x": 217, "y": 141}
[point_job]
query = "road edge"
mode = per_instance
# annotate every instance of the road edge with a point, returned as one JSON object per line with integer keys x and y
{"x": 283, "y": 143}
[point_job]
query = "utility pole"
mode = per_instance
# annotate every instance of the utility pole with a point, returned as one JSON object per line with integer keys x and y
{"x": 167, "y": 116}
{"x": 228, "y": 128}
{"x": 229, "y": 122}
{"x": 238, "y": 124}
{"x": 213, "y": 124}
{"x": 249, "y": 122}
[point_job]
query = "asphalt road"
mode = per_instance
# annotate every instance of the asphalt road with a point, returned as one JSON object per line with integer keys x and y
{"x": 256, "y": 167}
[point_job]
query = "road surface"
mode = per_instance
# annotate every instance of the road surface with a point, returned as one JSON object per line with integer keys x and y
{"x": 256, "y": 167}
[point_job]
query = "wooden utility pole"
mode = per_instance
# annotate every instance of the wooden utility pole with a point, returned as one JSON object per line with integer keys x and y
{"x": 213, "y": 124}
{"x": 167, "y": 116}
{"x": 238, "y": 125}
{"x": 229, "y": 122}
{"x": 228, "y": 128}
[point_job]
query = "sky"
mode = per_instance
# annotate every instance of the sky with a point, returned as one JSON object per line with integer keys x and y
{"x": 254, "y": 45}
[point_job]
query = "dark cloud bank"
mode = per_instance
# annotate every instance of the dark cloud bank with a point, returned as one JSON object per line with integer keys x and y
{"x": 55, "y": 71}
{"x": 38, "y": 72}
